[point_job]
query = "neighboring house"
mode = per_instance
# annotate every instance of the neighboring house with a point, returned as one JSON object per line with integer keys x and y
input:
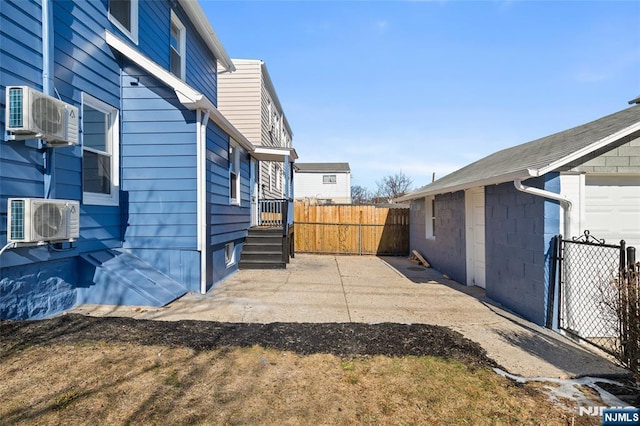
{"x": 324, "y": 183}
{"x": 161, "y": 179}
{"x": 249, "y": 100}
{"x": 490, "y": 224}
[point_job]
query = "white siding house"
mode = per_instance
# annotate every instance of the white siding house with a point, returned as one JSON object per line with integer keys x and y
{"x": 328, "y": 183}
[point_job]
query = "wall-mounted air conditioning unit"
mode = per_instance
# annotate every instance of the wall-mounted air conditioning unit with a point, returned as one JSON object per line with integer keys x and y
{"x": 33, "y": 220}
{"x": 31, "y": 114}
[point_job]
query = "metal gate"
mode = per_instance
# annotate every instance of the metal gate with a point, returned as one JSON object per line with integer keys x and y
{"x": 588, "y": 270}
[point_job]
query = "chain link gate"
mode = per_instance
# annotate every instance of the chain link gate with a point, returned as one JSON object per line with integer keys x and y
{"x": 588, "y": 269}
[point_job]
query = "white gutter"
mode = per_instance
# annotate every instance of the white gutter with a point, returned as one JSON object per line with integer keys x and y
{"x": 565, "y": 203}
{"x": 201, "y": 171}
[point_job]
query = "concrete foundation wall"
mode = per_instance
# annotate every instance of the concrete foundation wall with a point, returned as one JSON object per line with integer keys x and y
{"x": 38, "y": 290}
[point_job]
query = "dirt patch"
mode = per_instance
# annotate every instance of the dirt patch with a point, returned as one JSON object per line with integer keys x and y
{"x": 340, "y": 339}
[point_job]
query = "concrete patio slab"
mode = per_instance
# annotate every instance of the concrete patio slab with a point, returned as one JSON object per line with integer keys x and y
{"x": 369, "y": 289}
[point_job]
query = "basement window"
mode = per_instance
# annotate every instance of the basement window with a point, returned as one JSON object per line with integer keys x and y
{"x": 229, "y": 254}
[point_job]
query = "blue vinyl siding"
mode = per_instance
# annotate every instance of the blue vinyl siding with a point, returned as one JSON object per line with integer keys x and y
{"x": 201, "y": 67}
{"x": 145, "y": 136}
{"x": 228, "y": 223}
{"x": 159, "y": 182}
{"x": 154, "y": 20}
{"x": 21, "y": 47}
{"x": 153, "y": 39}
{"x": 83, "y": 61}
{"x": 157, "y": 217}
{"x": 21, "y": 166}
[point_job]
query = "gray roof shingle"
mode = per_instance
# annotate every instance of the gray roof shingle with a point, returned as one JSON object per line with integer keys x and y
{"x": 515, "y": 162}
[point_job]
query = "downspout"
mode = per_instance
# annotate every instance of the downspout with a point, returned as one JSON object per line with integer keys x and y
{"x": 201, "y": 171}
{"x": 48, "y": 89}
{"x": 565, "y": 203}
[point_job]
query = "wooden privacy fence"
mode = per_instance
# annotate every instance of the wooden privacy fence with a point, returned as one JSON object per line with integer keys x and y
{"x": 351, "y": 229}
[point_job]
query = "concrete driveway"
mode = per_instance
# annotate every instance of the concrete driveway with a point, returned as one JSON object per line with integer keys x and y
{"x": 316, "y": 288}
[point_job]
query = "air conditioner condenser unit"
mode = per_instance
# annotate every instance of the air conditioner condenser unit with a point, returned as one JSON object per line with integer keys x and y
{"x": 34, "y": 220}
{"x": 30, "y": 113}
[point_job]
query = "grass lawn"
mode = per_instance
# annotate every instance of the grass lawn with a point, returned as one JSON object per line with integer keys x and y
{"x": 95, "y": 382}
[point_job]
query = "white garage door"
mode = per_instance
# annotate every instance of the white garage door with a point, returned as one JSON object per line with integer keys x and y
{"x": 612, "y": 208}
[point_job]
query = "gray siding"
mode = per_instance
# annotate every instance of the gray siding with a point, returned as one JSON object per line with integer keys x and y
{"x": 447, "y": 251}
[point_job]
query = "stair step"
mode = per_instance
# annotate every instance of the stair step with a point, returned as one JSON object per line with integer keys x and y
{"x": 261, "y": 256}
{"x": 261, "y": 265}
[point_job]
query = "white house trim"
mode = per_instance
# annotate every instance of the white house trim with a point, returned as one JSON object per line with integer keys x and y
{"x": 187, "y": 95}
{"x": 262, "y": 153}
{"x": 201, "y": 171}
{"x": 493, "y": 180}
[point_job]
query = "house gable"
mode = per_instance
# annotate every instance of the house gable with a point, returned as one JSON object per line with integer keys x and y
{"x": 620, "y": 158}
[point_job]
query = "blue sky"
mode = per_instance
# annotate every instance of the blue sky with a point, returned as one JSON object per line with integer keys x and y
{"x": 427, "y": 87}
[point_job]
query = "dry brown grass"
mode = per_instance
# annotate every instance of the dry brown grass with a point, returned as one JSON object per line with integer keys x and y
{"x": 125, "y": 383}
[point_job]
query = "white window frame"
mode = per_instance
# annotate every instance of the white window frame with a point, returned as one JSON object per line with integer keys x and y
{"x": 234, "y": 169}
{"x": 279, "y": 174}
{"x": 113, "y": 150}
{"x": 182, "y": 45}
{"x": 327, "y": 179}
{"x": 133, "y": 32}
{"x": 229, "y": 254}
{"x": 429, "y": 217}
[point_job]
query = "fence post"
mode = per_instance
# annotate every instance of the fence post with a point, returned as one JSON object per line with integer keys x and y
{"x": 552, "y": 281}
{"x": 631, "y": 257}
{"x": 623, "y": 262}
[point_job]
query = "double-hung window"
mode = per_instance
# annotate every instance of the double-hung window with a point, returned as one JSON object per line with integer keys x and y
{"x": 124, "y": 15}
{"x": 100, "y": 151}
{"x": 234, "y": 174}
{"x": 177, "y": 47}
{"x": 430, "y": 217}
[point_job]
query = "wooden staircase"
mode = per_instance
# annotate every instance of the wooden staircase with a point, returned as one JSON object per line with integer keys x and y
{"x": 264, "y": 248}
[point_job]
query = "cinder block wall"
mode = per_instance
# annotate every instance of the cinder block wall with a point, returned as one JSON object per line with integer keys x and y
{"x": 518, "y": 229}
{"x": 447, "y": 251}
{"x": 622, "y": 159}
